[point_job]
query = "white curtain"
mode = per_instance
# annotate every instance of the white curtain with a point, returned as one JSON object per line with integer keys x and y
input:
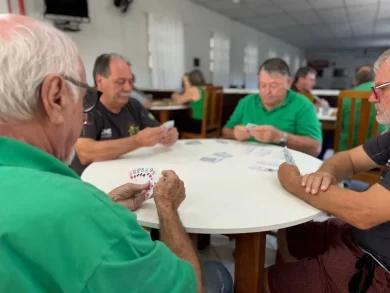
{"x": 287, "y": 59}
{"x": 251, "y": 66}
{"x": 272, "y": 54}
{"x": 166, "y": 51}
{"x": 220, "y": 60}
{"x": 296, "y": 66}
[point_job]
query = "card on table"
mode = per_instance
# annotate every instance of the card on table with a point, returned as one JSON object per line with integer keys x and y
{"x": 221, "y": 141}
{"x": 169, "y": 124}
{"x": 143, "y": 175}
{"x": 288, "y": 157}
{"x": 223, "y": 155}
{"x": 210, "y": 159}
{"x": 193, "y": 142}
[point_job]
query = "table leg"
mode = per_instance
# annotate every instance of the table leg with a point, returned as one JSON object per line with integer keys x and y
{"x": 249, "y": 263}
{"x": 164, "y": 116}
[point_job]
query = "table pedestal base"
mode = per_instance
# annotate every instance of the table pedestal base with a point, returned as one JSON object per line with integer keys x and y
{"x": 249, "y": 263}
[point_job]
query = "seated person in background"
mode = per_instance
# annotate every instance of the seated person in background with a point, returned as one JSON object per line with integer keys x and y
{"x": 140, "y": 96}
{"x": 118, "y": 124}
{"x": 364, "y": 80}
{"x": 351, "y": 253}
{"x": 57, "y": 233}
{"x": 194, "y": 94}
{"x": 305, "y": 80}
{"x": 281, "y": 115}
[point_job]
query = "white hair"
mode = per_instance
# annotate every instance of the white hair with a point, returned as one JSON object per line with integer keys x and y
{"x": 28, "y": 53}
{"x": 381, "y": 60}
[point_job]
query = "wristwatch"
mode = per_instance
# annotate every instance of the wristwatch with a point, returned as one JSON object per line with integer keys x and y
{"x": 283, "y": 140}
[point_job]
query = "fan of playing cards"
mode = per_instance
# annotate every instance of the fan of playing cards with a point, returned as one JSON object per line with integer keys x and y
{"x": 288, "y": 156}
{"x": 143, "y": 175}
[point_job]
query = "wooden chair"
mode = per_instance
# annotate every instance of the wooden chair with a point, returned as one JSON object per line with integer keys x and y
{"x": 310, "y": 96}
{"x": 212, "y": 114}
{"x": 371, "y": 176}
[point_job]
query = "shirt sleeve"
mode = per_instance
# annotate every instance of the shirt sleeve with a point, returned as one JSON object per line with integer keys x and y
{"x": 236, "y": 117}
{"x": 378, "y": 149}
{"x": 156, "y": 268}
{"x": 307, "y": 122}
{"x": 146, "y": 119}
{"x": 92, "y": 126}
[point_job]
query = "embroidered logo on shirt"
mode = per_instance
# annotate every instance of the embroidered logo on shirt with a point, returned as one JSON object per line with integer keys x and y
{"x": 150, "y": 115}
{"x": 133, "y": 129}
{"x": 106, "y": 133}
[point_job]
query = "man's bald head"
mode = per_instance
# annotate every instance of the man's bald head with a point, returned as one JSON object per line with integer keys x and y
{"x": 364, "y": 73}
{"x": 29, "y": 51}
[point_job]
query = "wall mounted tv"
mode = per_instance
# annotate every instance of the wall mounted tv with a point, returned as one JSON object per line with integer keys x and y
{"x": 67, "y": 9}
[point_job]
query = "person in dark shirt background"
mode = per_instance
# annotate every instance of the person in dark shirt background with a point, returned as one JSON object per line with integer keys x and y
{"x": 118, "y": 124}
{"x": 349, "y": 253}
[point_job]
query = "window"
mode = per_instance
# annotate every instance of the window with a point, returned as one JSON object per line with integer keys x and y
{"x": 220, "y": 60}
{"x": 251, "y": 66}
{"x": 272, "y": 54}
{"x": 166, "y": 51}
{"x": 287, "y": 59}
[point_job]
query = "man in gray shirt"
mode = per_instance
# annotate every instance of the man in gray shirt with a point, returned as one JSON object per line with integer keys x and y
{"x": 349, "y": 253}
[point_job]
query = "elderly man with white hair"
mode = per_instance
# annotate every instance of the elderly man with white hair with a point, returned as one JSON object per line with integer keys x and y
{"x": 57, "y": 233}
{"x": 349, "y": 253}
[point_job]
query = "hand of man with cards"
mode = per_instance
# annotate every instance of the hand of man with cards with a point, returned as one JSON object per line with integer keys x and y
{"x": 145, "y": 175}
{"x": 171, "y": 136}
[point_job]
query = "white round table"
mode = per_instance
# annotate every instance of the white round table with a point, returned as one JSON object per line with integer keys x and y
{"x": 164, "y": 111}
{"x": 226, "y": 197}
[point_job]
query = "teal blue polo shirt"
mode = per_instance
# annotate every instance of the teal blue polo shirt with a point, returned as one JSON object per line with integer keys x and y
{"x": 296, "y": 115}
{"x": 59, "y": 234}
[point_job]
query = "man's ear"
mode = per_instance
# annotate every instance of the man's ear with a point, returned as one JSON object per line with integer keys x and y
{"x": 53, "y": 96}
{"x": 99, "y": 81}
{"x": 289, "y": 82}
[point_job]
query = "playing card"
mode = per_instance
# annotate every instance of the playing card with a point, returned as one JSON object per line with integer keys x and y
{"x": 143, "y": 175}
{"x": 193, "y": 142}
{"x": 249, "y": 126}
{"x": 210, "y": 159}
{"x": 223, "y": 155}
{"x": 288, "y": 156}
{"x": 169, "y": 124}
{"x": 221, "y": 141}
{"x": 262, "y": 167}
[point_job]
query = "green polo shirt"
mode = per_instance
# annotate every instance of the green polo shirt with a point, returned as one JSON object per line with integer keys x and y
{"x": 59, "y": 234}
{"x": 296, "y": 115}
{"x": 343, "y": 144}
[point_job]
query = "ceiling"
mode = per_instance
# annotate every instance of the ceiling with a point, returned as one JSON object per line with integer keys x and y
{"x": 318, "y": 24}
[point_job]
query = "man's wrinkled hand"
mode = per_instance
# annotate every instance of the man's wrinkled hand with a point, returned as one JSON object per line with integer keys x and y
{"x": 266, "y": 133}
{"x": 289, "y": 176}
{"x": 241, "y": 133}
{"x": 170, "y": 137}
{"x": 130, "y": 195}
{"x": 318, "y": 181}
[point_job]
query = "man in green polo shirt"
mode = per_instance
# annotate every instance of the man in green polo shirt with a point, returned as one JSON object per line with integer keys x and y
{"x": 281, "y": 116}
{"x": 364, "y": 80}
{"x": 57, "y": 233}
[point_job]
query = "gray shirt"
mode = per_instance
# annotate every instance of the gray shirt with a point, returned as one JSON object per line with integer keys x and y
{"x": 377, "y": 240}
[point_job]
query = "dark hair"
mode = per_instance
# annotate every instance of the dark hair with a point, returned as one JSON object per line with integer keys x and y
{"x": 303, "y": 72}
{"x": 275, "y": 65}
{"x": 364, "y": 73}
{"x": 102, "y": 64}
{"x": 196, "y": 78}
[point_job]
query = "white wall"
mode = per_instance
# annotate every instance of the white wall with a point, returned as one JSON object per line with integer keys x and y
{"x": 111, "y": 31}
{"x": 349, "y": 59}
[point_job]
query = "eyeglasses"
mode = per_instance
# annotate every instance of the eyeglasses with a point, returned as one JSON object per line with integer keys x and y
{"x": 92, "y": 95}
{"x": 375, "y": 89}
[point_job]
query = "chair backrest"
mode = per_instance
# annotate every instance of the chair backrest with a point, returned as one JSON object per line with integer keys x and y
{"x": 364, "y": 118}
{"x": 212, "y": 111}
{"x": 310, "y": 96}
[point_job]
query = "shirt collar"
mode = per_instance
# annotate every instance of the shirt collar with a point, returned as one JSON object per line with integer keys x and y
{"x": 282, "y": 105}
{"x": 19, "y": 154}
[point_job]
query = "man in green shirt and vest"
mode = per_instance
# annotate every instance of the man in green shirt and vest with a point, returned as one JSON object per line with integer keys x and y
{"x": 281, "y": 115}
{"x": 57, "y": 233}
{"x": 364, "y": 80}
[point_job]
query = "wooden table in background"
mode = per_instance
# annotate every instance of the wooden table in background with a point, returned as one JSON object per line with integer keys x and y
{"x": 163, "y": 111}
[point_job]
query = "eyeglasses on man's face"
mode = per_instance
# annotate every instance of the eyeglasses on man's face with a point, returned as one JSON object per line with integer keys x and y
{"x": 376, "y": 90}
{"x": 92, "y": 95}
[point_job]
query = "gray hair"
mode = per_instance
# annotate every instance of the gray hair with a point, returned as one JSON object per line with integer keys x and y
{"x": 275, "y": 65}
{"x": 29, "y": 51}
{"x": 102, "y": 64}
{"x": 381, "y": 60}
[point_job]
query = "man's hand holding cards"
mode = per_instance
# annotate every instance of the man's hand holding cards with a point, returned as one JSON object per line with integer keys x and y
{"x": 241, "y": 133}
{"x": 171, "y": 135}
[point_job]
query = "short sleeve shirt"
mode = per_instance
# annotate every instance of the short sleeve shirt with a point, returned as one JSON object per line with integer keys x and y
{"x": 59, "y": 234}
{"x": 105, "y": 125}
{"x": 296, "y": 115}
{"x": 376, "y": 240}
